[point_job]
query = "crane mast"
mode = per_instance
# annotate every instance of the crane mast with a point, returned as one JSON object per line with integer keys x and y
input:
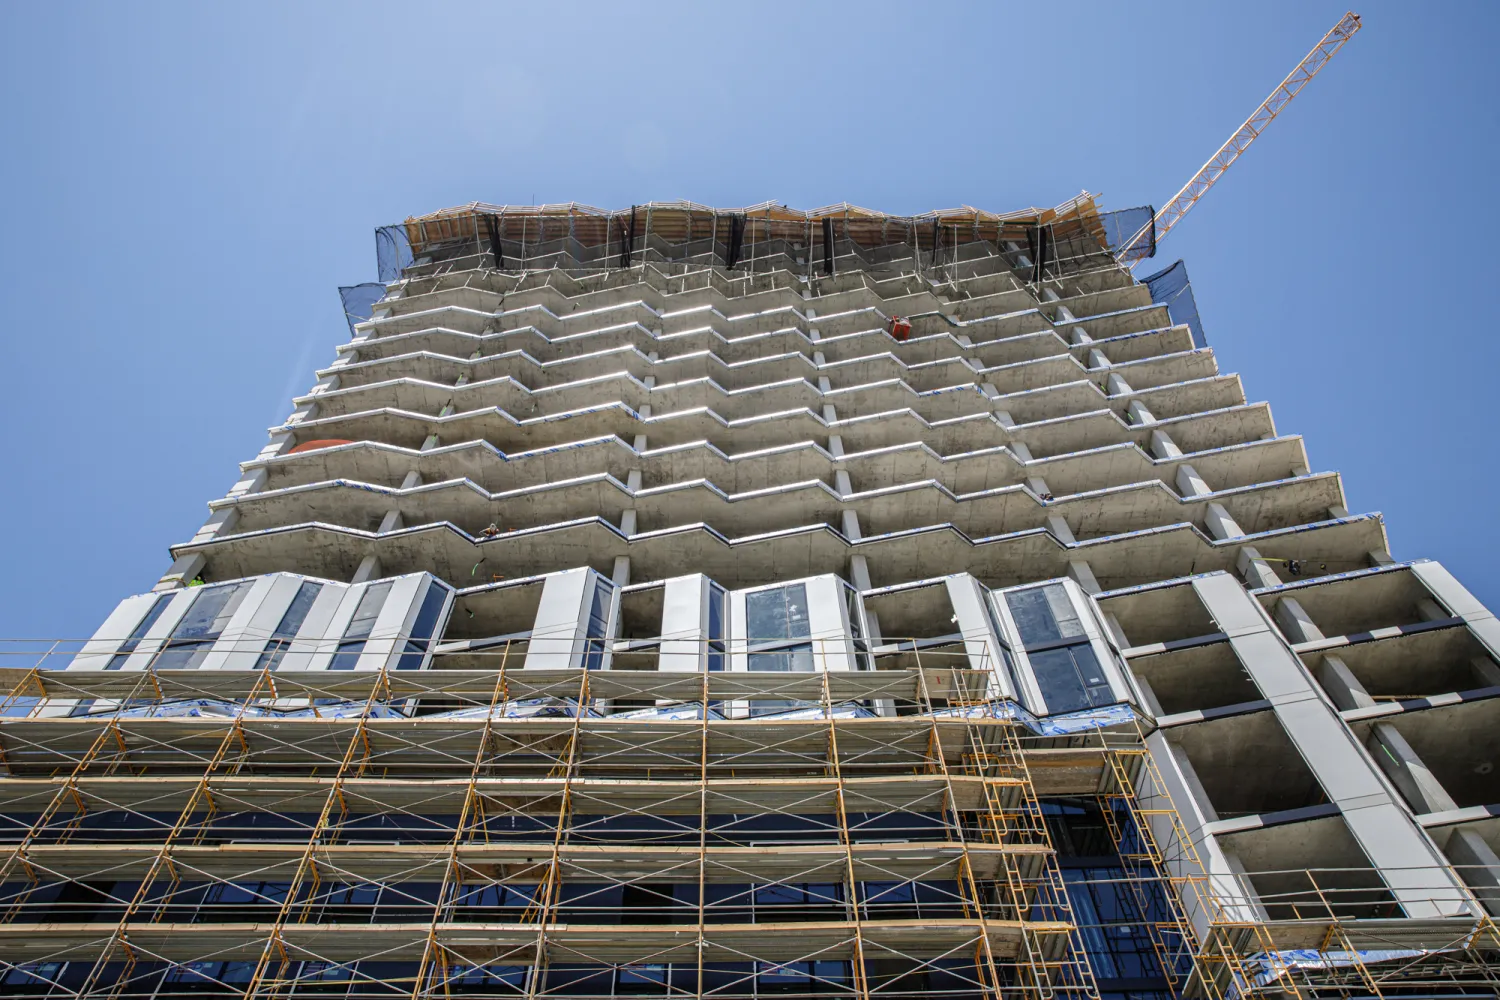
{"x": 1288, "y": 88}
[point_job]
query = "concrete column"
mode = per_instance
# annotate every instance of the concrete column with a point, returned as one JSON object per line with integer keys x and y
{"x": 1083, "y": 574}
{"x": 251, "y": 482}
{"x": 221, "y": 521}
{"x": 1462, "y": 603}
{"x": 1172, "y": 788}
{"x": 1477, "y": 865}
{"x": 431, "y": 442}
{"x": 1256, "y": 571}
{"x": 850, "y": 526}
{"x": 393, "y": 520}
{"x": 842, "y": 483}
{"x": 1060, "y": 530}
{"x": 1116, "y": 386}
{"x": 621, "y": 574}
{"x": 1409, "y": 863}
{"x": 1341, "y": 685}
{"x": 1002, "y": 417}
{"x": 1098, "y": 360}
{"x": 1189, "y": 483}
{"x": 1220, "y": 524}
{"x": 628, "y": 516}
{"x": 1424, "y": 793}
{"x": 824, "y": 385}
{"x": 1430, "y": 611}
{"x": 836, "y": 445}
{"x": 1296, "y": 624}
{"x": 1038, "y": 485}
{"x": 1050, "y": 295}
{"x": 1162, "y": 446}
{"x": 1081, "y": 337}
{"x": 182, "y": 571}
{"x": 1485, "y": 671}
{"x": 302, "y": 412}
{"x": 369, "y": 569}
{"x": 1019, "y": 449}
{"x": 1138, "y": 413}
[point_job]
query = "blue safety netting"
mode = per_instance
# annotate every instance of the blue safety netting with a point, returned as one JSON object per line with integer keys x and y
{"x": 1120, "y": 228}
{"x": 1172, "y": 289}
{"x": 392, "y": 252}
{"x": 359, "y": 301}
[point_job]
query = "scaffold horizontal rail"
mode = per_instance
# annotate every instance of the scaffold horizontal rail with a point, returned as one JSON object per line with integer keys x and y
{"x": 517, "y": 944}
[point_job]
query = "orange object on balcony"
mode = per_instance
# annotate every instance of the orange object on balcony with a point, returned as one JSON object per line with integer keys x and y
{"x": 320, "y": 443}
{"x": 900, "y": 327}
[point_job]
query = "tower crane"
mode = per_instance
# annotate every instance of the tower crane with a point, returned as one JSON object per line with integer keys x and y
{"x": 1198, "y": 186}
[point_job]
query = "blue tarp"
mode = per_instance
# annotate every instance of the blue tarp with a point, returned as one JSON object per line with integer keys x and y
{"x": 1122, "y": 225}
{"x": 359, "y": 301}
{"x": 1171, "y": 288}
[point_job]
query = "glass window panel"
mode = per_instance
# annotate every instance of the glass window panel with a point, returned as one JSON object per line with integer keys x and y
{"x": 296, "y": 613}
{"x": 1070, "y": 678}
{"x": 363, "y": 622}
{"x": 1044, "y": 614}
{"x": 422, "y": 628}
{"x": 716, "y": 612}
{"x": 205, "y": 620}
{"x": 290, "y": 625}
{"x": 118, "y": 660}
{"x": 211, "y": 611}
{"x": 798, "y": 658}
{"x": 780, "y": 613}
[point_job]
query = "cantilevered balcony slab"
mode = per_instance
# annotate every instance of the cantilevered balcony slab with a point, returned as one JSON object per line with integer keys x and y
{"x": 1121, "y": 560}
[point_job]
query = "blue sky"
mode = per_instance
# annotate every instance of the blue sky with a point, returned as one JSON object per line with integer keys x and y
{"x": 189, "y": 184}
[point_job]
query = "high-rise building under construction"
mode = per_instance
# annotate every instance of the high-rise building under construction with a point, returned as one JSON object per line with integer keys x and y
{"x": 681, "y": 602}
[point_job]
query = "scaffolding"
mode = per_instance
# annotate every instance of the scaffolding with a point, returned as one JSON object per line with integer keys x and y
{"x": 822, "y": 242}
{"x": 870, "y": 833}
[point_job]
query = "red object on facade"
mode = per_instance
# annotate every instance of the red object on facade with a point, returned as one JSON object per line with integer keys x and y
{"x": 320, "y": 443}
{"x": 900, "y": 327}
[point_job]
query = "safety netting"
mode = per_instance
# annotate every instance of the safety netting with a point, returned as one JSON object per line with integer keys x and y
{"x": 392, "y": 252}
{"x": 1171, "y": 288}
{"x": 359, "y": 301}
{"x": 1130, "y": 233}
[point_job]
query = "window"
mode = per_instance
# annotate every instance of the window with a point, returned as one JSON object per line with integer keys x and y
{"x": 290, "y": 624}
{"x": 1067, "y": 672}
{"x": 128, "y": 646}
{"x": 422, "y": 628}
{"x": 776, "y": 614}
{"x": 772, "y": 617}
{"x": 360, "y": 626}
{"x": 200, "y": 628}
{"x": 862, "y": 657}
{"x": 715, "y": 627}
{"x": 597, "y": 632}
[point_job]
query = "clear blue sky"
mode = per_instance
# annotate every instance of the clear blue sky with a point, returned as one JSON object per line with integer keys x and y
{"x": 188, "y": 185}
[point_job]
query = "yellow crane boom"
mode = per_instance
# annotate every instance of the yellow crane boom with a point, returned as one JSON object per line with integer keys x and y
{"x": 1174, "y": 210}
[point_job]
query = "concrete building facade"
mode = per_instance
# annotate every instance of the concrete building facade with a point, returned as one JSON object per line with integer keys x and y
{"x": 680, "y": 601}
